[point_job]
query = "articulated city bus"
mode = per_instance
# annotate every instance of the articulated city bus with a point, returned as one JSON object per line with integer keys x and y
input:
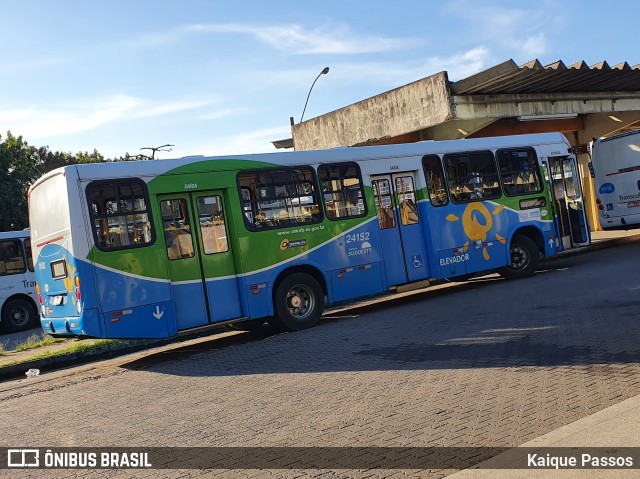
{"x": 18, "y": 311}
{"x": 153, "y": 248}
{"x": 615, "y": 165}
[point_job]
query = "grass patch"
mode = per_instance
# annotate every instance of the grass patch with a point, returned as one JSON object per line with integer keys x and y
{"x": 77, "y": 348}
{"x": 3, "y": 352}
{"x": 35, "y": 341}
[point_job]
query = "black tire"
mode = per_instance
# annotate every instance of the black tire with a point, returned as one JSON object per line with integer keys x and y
{"x": 298, "y": 303}
{"x": 525, "y": 258}
{"x": 18, "y": 315}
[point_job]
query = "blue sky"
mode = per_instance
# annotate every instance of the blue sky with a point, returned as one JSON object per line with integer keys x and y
{"x": 222, "y": 77}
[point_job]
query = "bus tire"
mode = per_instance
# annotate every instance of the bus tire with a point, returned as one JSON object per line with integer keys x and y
{"x": 525, "y": 258}
{"x": 298, "y": 303}
{"x": 18, "y": 315}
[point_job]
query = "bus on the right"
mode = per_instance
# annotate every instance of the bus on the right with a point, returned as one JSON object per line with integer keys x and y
{"x": 615, "y": 165}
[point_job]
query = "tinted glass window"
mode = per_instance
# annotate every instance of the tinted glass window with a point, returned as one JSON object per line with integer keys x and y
{"x": 407, "y": 204}
{"x": 519, "y": 172}
{"x": 12, "y": 257}
{"x": 434, "y": 177}
{"x": 384, "y": 205}
{"x": 177, "y": 229}
{"x": 472, "y": 176}
{"x": 342, "y": 191}
{"x": 212, "y": 225}
{"x": 279, "y": 198}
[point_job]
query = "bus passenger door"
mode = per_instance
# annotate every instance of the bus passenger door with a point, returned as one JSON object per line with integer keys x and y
{"x": 200, "y": 263}
{"x": 401, "y": 234}
{"x": 567, "y": 194}
{"x": 218, "y": 267}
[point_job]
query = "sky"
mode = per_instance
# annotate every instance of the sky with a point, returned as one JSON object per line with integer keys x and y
{"x": 224, "y": 77}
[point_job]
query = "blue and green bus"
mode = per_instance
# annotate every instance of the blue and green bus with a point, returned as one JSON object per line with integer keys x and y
{"x": 151, "y": 249}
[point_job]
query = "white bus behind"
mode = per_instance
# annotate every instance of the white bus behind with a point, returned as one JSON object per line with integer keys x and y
{"x": 616, "y": 174}
{"x": 18, "y": 311}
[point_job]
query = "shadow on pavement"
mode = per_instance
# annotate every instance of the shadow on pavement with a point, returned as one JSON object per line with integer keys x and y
{"x": 484, "y": 323}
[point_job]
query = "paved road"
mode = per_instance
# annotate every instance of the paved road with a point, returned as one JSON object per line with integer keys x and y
{"x": 488, "y": 363}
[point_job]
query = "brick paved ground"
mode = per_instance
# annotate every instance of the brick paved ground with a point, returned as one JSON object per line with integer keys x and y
{"x": 490, "y": 363}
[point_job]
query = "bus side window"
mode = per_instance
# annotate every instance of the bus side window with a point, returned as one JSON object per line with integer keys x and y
{"x": 434, "y": 176}
{"x": 342, "y": 190}
{"x": 519, "y": 171}
{"x": 276, "y": 198}
{"x": 472, "y": 176}
{"x": 12, "y": 257}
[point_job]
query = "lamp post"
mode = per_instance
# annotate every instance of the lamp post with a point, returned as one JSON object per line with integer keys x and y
{"x": 324, "y": 71}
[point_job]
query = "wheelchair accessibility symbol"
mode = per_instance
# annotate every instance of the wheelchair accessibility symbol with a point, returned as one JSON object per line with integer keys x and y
{"x": 417, "y": 261}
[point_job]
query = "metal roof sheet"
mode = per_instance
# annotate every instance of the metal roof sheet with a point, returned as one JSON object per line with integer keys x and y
{"x": 532, "y": 77}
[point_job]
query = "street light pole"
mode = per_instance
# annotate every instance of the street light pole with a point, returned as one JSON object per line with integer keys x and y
{"x": 324, "y": 71}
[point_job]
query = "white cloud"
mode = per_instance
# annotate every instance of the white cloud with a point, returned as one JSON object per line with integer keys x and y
{"x": 535, "y": 45}
{"x": 224, "y": 113}
{"x": 294, "y": 39}
{"x": 256, "y": 141}
{"x": 90, "y": 114}
{"x": 516, "y": 30}
{"x": 458, "y": 66}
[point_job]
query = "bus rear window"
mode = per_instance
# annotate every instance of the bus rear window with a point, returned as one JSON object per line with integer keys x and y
{"x": 120, "y": 215}
{"x": 59, "y": 269}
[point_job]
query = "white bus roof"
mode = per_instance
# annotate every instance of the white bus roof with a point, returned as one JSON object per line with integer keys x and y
{"x": 158, "y": 167}
{"x": 26, "y": 233}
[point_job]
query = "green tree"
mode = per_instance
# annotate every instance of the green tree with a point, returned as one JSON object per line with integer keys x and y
{"x": 20, "y": 165}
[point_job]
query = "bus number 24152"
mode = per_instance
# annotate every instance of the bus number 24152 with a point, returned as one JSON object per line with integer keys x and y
{"x": 358, "y": 237}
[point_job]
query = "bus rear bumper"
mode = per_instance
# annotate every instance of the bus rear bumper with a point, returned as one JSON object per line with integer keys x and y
{"x": 86, "y": 325}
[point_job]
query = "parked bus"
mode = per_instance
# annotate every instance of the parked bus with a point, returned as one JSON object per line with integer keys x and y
{"x": 18, "y": 311}
{"x": 615, "y": 163}
{"x": 153, "y": 248}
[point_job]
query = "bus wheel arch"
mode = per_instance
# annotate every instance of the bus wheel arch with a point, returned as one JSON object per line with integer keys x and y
{"x": 19, "y": 313}
{"x": 525, "y": 250}
{"x": 298, "y": 298}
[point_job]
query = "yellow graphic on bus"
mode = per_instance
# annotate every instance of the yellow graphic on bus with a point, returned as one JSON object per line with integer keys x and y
{"x": 476, "y": 223}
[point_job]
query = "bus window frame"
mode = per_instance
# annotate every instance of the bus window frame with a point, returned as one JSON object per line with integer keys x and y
{"x": 251, "y": 225}
{"x": 445, "y": 183}
{"x": 115, "y": 182}
{"x": 474, "y": 179}
{"x": 537, "y": 173}
{"x": 365, "y": 212}
{"x": 4, "y": 259}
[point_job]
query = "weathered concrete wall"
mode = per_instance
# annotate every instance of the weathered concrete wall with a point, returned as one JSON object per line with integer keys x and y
{"x": 410, "y": 108}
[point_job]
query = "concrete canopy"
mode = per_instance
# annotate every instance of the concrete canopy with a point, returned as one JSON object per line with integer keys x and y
{"x": 586, "y": 101}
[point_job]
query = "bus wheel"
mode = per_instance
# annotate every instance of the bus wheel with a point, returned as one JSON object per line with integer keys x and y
{"x": 298, "y": 303}
{"x": 524, "y": 258}
{"x": 18, "y": 315}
